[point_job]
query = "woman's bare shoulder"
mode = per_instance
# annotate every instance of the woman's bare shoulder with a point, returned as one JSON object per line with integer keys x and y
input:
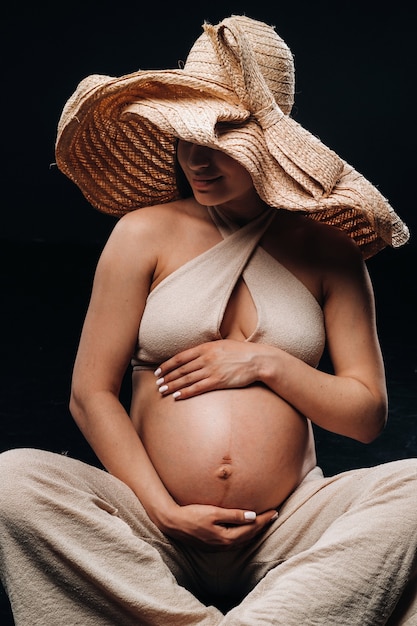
{"x": 157, "y": 218}
{"x": 147, "y": 228}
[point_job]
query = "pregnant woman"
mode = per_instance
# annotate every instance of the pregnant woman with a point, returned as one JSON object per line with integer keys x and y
{"x": 238, "y": 258}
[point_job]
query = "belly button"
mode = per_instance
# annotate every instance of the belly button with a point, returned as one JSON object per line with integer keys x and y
{"x": 224, "y": 472}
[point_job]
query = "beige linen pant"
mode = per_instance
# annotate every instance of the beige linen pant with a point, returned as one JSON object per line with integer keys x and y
{"x": 76, "y": 547}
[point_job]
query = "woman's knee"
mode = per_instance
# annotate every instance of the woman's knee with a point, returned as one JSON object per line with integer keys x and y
{"x": 396, "y": 490}
{"x": 23, "y": 481}
{"x": 402, "y": 475}
{"x": 16, "y": 463}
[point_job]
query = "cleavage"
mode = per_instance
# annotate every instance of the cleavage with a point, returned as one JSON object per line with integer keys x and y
{"x": 240, "y": 317}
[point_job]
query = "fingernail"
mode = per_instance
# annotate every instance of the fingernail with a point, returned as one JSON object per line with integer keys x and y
{"x": 274, "y": 517}
{"x": 163, "y": 388}
{"x": 158, "y": 371}
{"x": 176, "y": 394}
{"x": 159, "y": 382}
{"x": 249, "y": 515}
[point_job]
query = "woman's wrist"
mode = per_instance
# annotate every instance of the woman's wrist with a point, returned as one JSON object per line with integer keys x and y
{"x": 167, "y": 518}
{"x": 268, "y": 365}
{"x": 162, "y": 512}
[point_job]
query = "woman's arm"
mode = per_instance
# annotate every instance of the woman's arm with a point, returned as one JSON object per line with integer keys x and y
{"x": 352, "y": 401}
{"x": 107, "y": 342}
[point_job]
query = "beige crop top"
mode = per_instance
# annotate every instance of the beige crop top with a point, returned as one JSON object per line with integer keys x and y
{"x": 187, "y": 307}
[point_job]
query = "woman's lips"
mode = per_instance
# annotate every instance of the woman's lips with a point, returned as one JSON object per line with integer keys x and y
{"x": 203, "y": 183}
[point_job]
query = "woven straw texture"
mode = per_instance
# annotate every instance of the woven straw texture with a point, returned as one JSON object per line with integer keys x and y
{"x": 116, "y": 136}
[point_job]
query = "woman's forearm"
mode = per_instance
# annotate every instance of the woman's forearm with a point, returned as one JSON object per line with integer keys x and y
{"x": 352, "y": 403}
{"x": 342, "y": 404}
{"x": 109, "y": 430}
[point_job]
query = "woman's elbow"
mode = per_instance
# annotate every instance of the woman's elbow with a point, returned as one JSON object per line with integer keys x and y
{"x": 375, "y": 422}
{"x": 76, "y": 403}
{"x": 82, "y": 399}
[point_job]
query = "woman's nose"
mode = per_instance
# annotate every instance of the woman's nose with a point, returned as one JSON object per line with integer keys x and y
{"x": 198, "y": 157}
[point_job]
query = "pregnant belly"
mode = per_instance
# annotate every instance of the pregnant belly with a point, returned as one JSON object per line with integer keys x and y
{"x": 237, "y": 448}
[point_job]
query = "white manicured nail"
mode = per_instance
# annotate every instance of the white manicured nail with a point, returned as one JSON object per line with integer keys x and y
{"x": 176, "y": 394}
{"x": 157, "y": 372}
{"x": 163, "y": 388}
{"x": 250, "y": 515}
{"x": 159, "y": 382}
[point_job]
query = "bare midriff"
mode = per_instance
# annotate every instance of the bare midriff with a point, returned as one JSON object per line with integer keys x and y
{"x": 234, "y": 448}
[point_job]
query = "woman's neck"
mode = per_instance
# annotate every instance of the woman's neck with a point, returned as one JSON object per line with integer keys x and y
{"x": 242, "y": 211}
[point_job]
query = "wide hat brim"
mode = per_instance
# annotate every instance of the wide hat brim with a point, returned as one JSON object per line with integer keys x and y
{"x": 117, "y": 136}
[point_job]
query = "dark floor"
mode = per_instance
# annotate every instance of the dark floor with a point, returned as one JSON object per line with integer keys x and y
{"x": 45, "y": 290}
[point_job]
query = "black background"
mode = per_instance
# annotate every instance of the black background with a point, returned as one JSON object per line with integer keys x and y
{"x": 355, "y": 80}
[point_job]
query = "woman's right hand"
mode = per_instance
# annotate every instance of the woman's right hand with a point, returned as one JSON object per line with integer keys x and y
{"x": 215, "y": 526}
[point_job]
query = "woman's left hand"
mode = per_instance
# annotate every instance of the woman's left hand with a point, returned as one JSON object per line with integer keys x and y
{"x": 222, "y": 364}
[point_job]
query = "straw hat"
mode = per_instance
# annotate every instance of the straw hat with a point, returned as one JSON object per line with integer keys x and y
{"x": 116, "y": 136}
